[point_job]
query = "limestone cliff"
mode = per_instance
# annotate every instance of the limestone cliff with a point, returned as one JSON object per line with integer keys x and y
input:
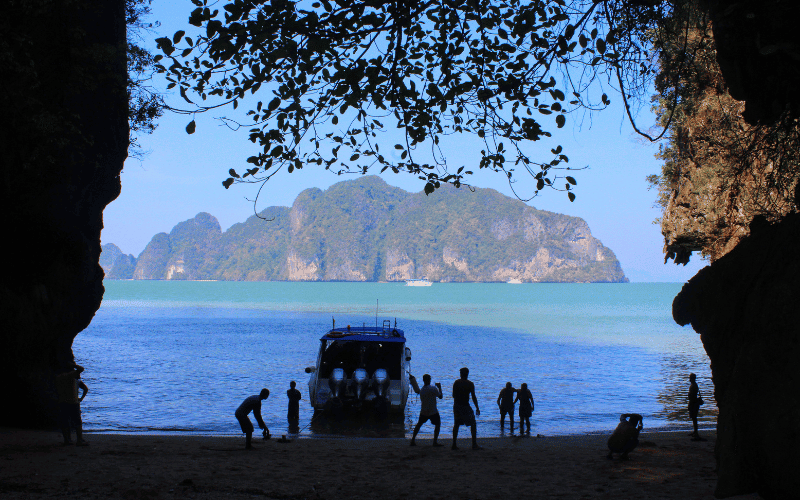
{"x": 115, "y": 264}
{"x": 744, "y": 307}
{"x": 732, "y": 173}
{"x": 366, "y": 230}
{"x": 64, "y": 138}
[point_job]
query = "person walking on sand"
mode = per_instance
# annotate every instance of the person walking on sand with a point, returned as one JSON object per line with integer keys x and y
{"x": 695, "y": 400}
{"x": 506, "y": 403}
{"x": 293, "y": 415}
{"x": 525, "y": 399}
{"x": 428, "y": 409}
{"x": 626, "y": 436}
{"x": 252, "y": 403}
{"x": 68, "y": 381}
{"x": 462, "y": 411}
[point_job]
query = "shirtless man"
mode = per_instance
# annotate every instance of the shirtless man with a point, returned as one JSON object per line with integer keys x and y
{"x": 506, "y": 403}
{"x": 462, "y": 411}
{"x": 252, "y": 403}
{"x": 428, "y": 410}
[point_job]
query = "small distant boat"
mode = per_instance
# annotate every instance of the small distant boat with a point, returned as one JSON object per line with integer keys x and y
{"x": 514, "y": 281}
{"x": 418, "y": 282}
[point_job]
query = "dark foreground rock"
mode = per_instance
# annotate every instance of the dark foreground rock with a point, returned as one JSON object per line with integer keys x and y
{"x": 746, "y": 308}
{"x": 64, "y": 138}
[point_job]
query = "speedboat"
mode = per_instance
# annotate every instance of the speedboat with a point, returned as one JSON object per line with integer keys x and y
{"x": 361, "y": 368}
{"x": 418, "y": 282}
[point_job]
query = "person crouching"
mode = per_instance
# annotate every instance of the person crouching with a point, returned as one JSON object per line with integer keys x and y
{"x": 626, "y": 436}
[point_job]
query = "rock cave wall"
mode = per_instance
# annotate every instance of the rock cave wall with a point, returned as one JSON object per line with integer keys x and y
{"x": 64, "y": 137}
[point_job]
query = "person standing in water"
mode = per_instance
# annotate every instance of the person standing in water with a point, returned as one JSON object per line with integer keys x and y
{"x": 428, "y": 409}
{"x": 506, "y": 403}
{"x": 252, "y": 403}
{"x": 695, "y": 400}
{"x": 463, "y": 388}
{"x": 525, "y": 399}
{"x": 293, "y": 415}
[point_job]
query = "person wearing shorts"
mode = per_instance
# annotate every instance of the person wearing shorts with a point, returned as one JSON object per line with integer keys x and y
{"x": 428, "y": 409}
{"x": 463, "y": 388}
{"x": 251, "y": 404}
{"x": 506, "y": 403}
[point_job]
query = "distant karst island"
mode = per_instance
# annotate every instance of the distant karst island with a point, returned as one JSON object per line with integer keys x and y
{"x": 367, "y": 230}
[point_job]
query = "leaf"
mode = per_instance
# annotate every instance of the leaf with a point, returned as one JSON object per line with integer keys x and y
{"x": 273, "y": 104}
{"x": 227, "y": 182}
{"x": 539, "y": 184}
{"x": 177, "y": 36}
{"x": 571, "y": 196}
{"x": 601, "y": 45}
{"x": 354, "y": 157}
{"x": 429, "y": 188}
{"x": 233, "y": 173}
{"x": 560, "y": 120}
{"x": 190, "y": 127}
{"x": 571, "y": 180}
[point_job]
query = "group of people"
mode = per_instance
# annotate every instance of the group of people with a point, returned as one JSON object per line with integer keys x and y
{"x": 463, "y": 390}
{"x": 623, "y": 440}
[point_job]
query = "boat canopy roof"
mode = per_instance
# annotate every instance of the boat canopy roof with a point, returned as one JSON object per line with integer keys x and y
{"x": 366, "y": 334}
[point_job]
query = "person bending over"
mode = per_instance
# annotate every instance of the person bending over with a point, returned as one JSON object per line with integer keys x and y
{"x": 462, "y": 412}
{"x": 252, "y": 403}
{"x": 428, "y": 409}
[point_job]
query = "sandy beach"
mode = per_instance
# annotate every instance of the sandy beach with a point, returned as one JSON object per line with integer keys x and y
{"x": 34, "y": 464}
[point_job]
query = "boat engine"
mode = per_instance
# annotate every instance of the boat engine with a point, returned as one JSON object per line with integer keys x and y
{"x": 337, "y": 382}
{"x": 360, "y": 383}
{"x": 380, "y": 382}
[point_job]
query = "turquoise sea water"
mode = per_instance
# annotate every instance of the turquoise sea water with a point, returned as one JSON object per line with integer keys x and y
{"x": 172, "y": 356}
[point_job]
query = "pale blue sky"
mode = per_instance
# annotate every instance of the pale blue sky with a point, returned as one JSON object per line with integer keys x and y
{"x": 182, "y": 174}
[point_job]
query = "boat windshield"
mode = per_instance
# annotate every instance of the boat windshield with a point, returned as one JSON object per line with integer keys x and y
{"x": 350, "y": 355}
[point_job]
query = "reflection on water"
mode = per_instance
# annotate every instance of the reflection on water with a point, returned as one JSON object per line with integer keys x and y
{"x": 674, "y": 396}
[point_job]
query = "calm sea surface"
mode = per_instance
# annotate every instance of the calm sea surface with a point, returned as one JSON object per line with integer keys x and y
{"x": 179, "y": 357}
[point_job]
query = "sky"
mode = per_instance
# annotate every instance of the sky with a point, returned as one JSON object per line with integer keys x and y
{"x": 180, "y": 175}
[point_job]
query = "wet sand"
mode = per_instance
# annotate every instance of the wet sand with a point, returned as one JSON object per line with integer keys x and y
{"x": 34, "y": 464}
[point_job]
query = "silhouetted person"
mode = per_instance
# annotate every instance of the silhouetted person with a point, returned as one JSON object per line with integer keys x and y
{"x": 626, "y": 436}
{"x": 293, "y": 415}
{"x": 506, "y": 403}
{"x": 462, "y": 411}
{"x": 695, "y": 400}
{"x": 428, "y": 409}
{"x": 525, "y": 399}
{"x": 69, "y": 404}
{"x": 252, "y": 403}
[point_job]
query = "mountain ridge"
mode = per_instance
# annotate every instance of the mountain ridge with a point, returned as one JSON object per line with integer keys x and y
{"x": 366, "y": 230}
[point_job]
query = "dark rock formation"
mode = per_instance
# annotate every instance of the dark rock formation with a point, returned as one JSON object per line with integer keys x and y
{"x": 759, "y": 54}
{"x": 64, "y": 138}
{"x": 745, "y": 307}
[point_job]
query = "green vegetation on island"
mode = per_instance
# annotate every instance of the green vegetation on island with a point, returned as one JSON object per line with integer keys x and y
{"x": 366, "y": 230}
